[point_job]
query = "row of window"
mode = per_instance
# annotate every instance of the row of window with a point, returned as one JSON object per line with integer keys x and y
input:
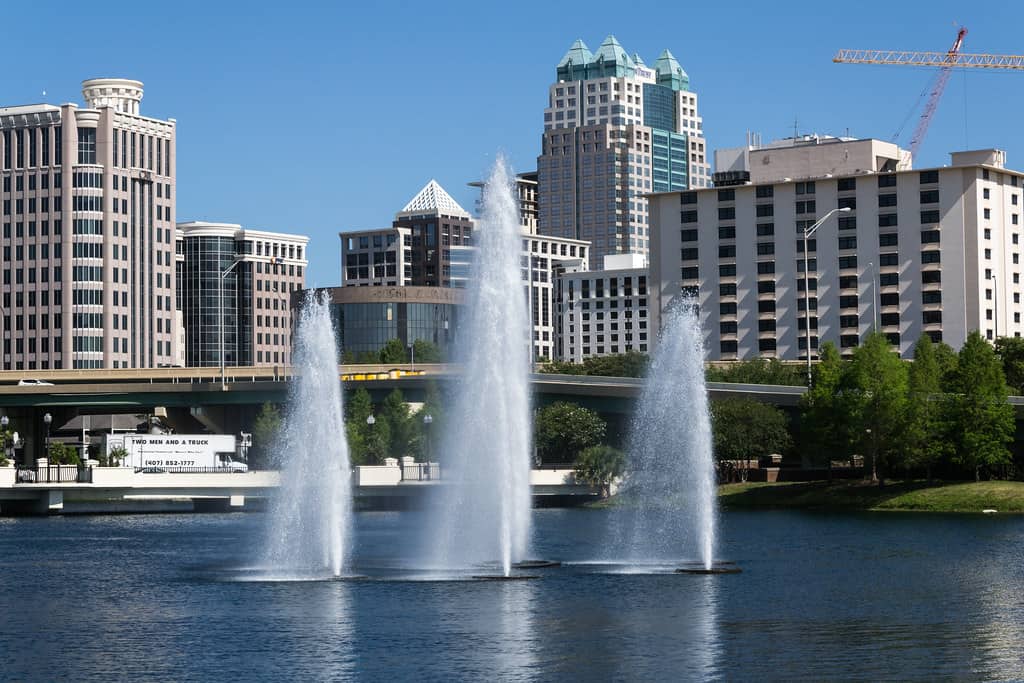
{"x": 42, "y": 180}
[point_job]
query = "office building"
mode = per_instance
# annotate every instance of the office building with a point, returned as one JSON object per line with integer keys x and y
{"x": 367, "y": 318}
{"x": 615, "y": 130}
{"x": 235, "y": 288}
{"x": 932, "y": 251}
{"x": 602, "y": 312}
{"x": 88, "y": 205}
{"x": 414, "y": 250}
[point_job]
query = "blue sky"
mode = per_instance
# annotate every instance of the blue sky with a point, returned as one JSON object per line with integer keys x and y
{"x": 319, "y": 117}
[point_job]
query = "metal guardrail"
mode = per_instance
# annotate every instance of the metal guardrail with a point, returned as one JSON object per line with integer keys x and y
{"x": 54, "y": 474}
{"x": 185, "y": 470}
{"x": 421, "y": 471}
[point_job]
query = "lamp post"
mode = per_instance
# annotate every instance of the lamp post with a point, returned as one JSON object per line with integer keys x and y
{"x": 370, "y": 421}
{"x": 4, "y": 421}
{"x": 874, "y": 300}
{"x": 220, "y": 318}
{"x": 428, "y": 420}
{"x": 47, "y": 420}
{"x": 995, "y": 306}
{"x": 807, "y": 283}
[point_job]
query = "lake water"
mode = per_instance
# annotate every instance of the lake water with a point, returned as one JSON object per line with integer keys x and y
{"x": 858, "y": 597}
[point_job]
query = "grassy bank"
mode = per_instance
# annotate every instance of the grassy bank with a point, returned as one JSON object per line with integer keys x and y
{"x": 1004, "y": 496}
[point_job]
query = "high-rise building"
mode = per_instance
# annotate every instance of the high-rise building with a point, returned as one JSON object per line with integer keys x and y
{"x": 934, "y": 251}
{"x": 415, "y": 250}
{"x": 243, "y": 279}
{"x": 614, "y": 131}
{"x": 88, "y": 197}
{"x": 602, "y": 312}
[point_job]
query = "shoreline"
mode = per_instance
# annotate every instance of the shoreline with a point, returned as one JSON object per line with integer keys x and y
{"x": 1005, "y": 497}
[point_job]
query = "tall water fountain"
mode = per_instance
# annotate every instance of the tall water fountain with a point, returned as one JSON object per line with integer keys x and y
{"x": 311, "y": 514}
{"x": 669, "y": 488}
{"x": 484, "y": 514}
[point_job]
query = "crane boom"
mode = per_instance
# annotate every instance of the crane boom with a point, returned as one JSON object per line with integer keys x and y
{"x": 933, "y": 100}
{"x": 961, "y": 61}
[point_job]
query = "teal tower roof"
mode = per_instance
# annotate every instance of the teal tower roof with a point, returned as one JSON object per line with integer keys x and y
{"x": 669, "y": 73}
{"x": 612, "y": 60}
{"x": 573, "y": 66}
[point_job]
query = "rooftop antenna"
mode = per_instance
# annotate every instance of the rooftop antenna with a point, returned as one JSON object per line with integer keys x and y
{"x": 796, "y": 128}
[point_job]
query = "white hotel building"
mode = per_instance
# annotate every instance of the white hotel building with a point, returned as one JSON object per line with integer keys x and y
{"x": 932, "y": 251}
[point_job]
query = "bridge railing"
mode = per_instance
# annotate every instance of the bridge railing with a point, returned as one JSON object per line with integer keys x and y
{"x": 54, "y": 474}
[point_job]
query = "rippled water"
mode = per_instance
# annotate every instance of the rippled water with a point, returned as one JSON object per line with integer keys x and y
{"x": 854, "y": 597}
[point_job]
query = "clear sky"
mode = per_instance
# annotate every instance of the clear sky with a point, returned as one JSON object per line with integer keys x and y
{"x": 320, "y": 117}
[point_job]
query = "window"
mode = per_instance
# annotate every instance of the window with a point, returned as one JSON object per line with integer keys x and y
{"x": 726, "y": 213}
{"x": 849, "y": 321}
{"x": 805, "y": 188}
{"x": 885, "y": 260}
{"x": 727, "y": 232}
{"x": 847, "y": 202}
{"x": 887, "y": 180}
{"x": 931, "y": 196}
{"x": 728, "y": 346}
{"x": 808, "y": 206}
{"x": 688, "y": 198}
{"x": 87, "y": 145}
{"x": 929, "y": 217}
{"x": 930, "y": 257}
{"x": 727, "y": 308}
{"x": 765, "y": 248}
{"x": 765, "y": 229}
{"x": 689, "y": 254}
{"x": 888, "y": 279}
{"x": 727, "y": 251}
{"x": 848, "y": 301}
{"x": 764, "y": 191}
{"x": 688, "y": 217}
{"x": 888, "y": 239}
{"x": 929, "y": 177}
{"x": 728, "y": 289}
{"x": 847, "y": 262}
{"x": 726, "y": 195}
{"x": 765, "y": 306}
{"x": 686, "y": 236}
{"x": 931, "y": 277}
{"x": 887, "y": 220}
{"x": 848, "y": 242}
{"x": 727, "y": 327}
{"x": 846, "y": 184}
{"x": 931, "y": 317}
{"x": 848, "y": 223}
{"x": 765, "y": 267}
{"x": 765, "y": 210}
{"x": 930, "y": 236}
{"x": 728, "y": 270}
{"x": 886, "y": 200}
{"x": 988, "y": 213}
{"x": 766, "y": 286}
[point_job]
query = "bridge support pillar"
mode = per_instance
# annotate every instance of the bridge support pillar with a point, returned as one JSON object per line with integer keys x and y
{"x": 49, "y": 502}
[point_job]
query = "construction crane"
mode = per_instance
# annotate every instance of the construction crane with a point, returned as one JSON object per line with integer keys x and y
{"x": 946, "y": 61}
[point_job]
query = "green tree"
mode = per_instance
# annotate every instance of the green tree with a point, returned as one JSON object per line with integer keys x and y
{"x": 426, "y": 441}
{"x": 393, "y": 353}
{"x": 746, "y": 429}
{"x": 879, "y": 390}
{"x": 926, "y": 437}
{"x": 358, "y": 407}
{"x": 564, "y": 429}
{"x": 117, "y": 456}
{"x": 426, "y": 351}
{"x": 629, "y": 364}
{"x": 983, "y": 418}
{"x": 59, "y": 453}
{"x": 1011, "y": 353}
{"x": 824, "y": 408}
{"x": 264, "y": 434}
{"x": 600, "y": 466}
{"x": 947, "y": 360}
{"x": 757, "y": 371}
{"x": 394, "y": 412}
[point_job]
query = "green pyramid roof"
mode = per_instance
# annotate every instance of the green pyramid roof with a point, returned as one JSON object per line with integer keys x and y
{"x": 612, "y": 51}
{"x": 670, "y": 73}
{"x": 577, "y": 55}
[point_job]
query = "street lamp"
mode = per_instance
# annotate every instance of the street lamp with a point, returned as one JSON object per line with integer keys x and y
{"x": 220, "y": 320}
{"x": 995, "y": 306}
{"x": 371, "y": 420}
{"x": 4, "y": 421}
{"x": 47, "y": 420}
{"x": 428, "y": 420}
{"x": 874, "y": 301}
{"x": 807, "y": 283}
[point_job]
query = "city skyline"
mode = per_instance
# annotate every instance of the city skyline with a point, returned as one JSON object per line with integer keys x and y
{"x": 485, "y": 91}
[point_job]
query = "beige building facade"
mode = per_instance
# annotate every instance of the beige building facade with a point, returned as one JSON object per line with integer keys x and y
{"x": 88, "y": 209}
